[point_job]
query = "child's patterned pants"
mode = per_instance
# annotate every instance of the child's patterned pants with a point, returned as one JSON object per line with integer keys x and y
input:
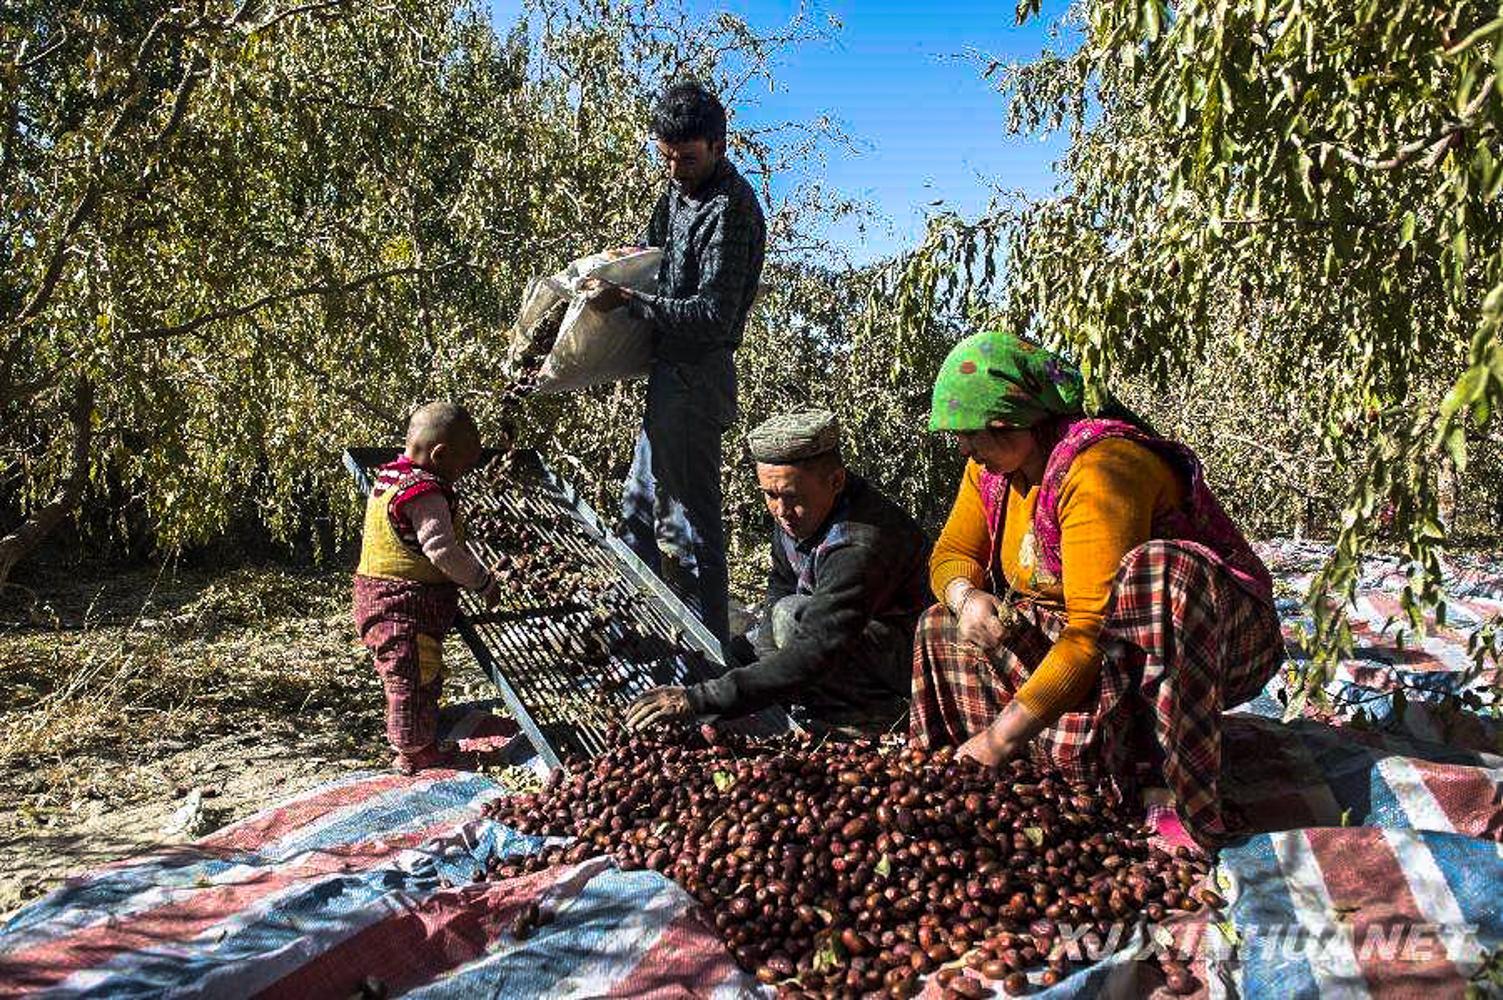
{"x": 403, "y": 623}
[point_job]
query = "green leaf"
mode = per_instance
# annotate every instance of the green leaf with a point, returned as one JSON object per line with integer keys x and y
{"x": 1485, "y": 165}
{"x": 1152, "y": 24}
{"x": 1034, "y": 834}
{"x": 884, "y": 866}
{"x": 1406, "y": 228}
{"x": 397, "y": 251}
{"x": 1296, "y": 706}
{"x": 723, "y": 780}
{"x": 1471, "y": 385}
{"x": 1492, "y": 306}
{"x": 1456, "y": 447}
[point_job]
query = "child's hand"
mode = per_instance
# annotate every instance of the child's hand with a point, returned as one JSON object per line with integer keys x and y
{"x": 491, "y": 595}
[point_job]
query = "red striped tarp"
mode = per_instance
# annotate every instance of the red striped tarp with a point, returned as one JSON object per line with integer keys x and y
{"x": 1373, "y": 866}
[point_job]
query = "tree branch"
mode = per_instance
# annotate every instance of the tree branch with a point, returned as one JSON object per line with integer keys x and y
{"x": 274, "y": 298}
{"x": 24, "y": 540}
{"x": 1282, "y": 456}
{"x": 1266, "y": 220}
{"x": 1434, "y": 145}
{"x": 54, "y": 271}
{"x": 128, "y": 101}
{"x": 91, "y": 197}
{"x": 17, "y": 391}
{"x": 150, "y": 38}
{"x": 246, "y": 8}
{"x": 7, "y": 144}
{"x": 294, "y": 11}
{"x": 7, "y": 367}
{"x": 194, "y": 72}
{"x": 1492, "y": 27}
{"x": 391, "y": 417}
{"x": 40, "y": 57}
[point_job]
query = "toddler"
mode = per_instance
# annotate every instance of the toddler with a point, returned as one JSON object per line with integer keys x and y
{"x": 412, "y": 564}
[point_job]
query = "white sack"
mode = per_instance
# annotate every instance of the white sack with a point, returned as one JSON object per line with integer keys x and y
{"x": 591, "y": 347}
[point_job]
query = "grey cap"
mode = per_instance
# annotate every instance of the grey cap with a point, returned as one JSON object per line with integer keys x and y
{"x": 793, "y": 437}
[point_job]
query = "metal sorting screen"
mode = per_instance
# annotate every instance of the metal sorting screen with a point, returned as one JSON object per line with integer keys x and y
{"x": 583, "y": 626}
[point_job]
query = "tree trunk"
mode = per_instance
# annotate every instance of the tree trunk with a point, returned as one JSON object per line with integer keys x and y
{"x": 24, "y": 540}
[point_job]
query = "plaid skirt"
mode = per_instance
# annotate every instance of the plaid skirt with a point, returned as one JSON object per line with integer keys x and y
{"x": 403, "y": 623}
{"x": 1181, "y": 643}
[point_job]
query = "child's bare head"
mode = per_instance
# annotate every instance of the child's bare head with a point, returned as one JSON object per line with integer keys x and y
{"x": 443, "y": 437}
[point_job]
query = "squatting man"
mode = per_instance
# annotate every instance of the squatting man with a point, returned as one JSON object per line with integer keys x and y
{"x": 847, "y": 582}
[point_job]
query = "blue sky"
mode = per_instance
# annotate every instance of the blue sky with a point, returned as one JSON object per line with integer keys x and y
{"x": 897, "y": 78}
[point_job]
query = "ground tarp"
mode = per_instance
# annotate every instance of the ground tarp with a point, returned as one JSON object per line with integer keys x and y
{"x": 1378, "y": 871}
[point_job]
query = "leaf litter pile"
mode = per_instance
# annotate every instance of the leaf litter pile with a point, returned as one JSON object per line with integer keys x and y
{"x": 846, "y": 869}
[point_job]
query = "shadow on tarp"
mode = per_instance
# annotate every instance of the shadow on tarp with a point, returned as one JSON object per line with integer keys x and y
{"x": 1287, "y": 776}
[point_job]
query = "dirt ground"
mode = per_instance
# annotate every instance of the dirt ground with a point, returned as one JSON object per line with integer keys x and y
{"x": 151, "y": 707}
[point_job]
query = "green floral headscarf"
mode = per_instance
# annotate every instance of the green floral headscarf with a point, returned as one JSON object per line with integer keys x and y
{"x": 999, "y": 376}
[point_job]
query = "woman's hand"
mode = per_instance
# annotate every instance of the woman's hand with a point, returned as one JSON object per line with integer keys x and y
{"x": 1005, "y": 738}
{"x": 986, "y": 749}
{"x": 979, "y": 623}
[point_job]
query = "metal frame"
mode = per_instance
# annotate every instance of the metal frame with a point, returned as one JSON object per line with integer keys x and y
{"x": 647, "y": 619}
{"x": 637, "y": 570}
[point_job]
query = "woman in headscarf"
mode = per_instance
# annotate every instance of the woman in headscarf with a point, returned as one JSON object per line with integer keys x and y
{"x": 1098, "y": 608}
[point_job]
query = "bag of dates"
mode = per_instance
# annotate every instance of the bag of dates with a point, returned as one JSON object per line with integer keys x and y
{"x": 572, "y": 346}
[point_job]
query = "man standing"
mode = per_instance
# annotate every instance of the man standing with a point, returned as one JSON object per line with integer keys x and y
{"x": 847, "y": 585}
{"x": 713, "y": 237}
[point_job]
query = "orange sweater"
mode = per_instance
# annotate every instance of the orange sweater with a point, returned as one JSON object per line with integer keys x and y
{"x": 1106, "y": 508}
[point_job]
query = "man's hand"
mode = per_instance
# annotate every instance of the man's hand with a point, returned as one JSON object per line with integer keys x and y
{"x": 979, "y": 623}
{"x": 657, "y": 707}
{"x": 603, "y": 295}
